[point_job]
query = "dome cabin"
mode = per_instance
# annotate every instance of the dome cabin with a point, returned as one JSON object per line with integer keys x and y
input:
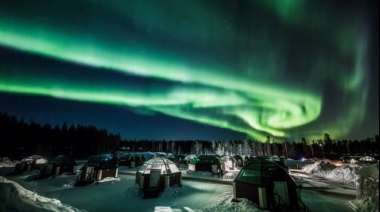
{"x": 230, "y": 163}
{"x": 97, "y": 168}
{"x": 239, "y": 160}
{"x": 209, "y": 163}
{"x": 246, "y": 159}
{"x": 158, "y": 173}
{"x": 61, "y": 164}
{"x": 131, "y": 160}
{"x": 269, "y": 185}
{"x": 33, "y": 162}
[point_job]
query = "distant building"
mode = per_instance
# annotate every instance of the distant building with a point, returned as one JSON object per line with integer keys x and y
{"x": 29, "y": 163}
{"x": 229, "y": 162}
{"x": 131, "y": 160}
{"x": 58, "y": 165}
{"x": 209, "y": 163}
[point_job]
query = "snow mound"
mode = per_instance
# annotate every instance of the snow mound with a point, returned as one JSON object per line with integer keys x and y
{"x": 182, "y": 191}
{"x": 14, "y": 197}
{"x": 226, "y": 204}
{"x": 6, "y": 162}
{"x": 197, "y": 173}
{"x": 365, "y": 177}
{"x": 345, "y": 173}
{"x": 131, "y": 192}
{"x": 318, "y": 168}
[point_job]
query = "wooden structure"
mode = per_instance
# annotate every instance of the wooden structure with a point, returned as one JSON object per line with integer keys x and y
{"x": 267, "y": 184}
{"x": 61, "y": 164}
{"x": 33, "y": 162}
{"x": 239, "y": 160}
{"x": 230, "y": 163}
{"x": 97, "y": 168}
{"x": 209, "y": 163}
{"x": 131, "y": 160}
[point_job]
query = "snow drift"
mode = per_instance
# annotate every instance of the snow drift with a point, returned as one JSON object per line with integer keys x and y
{"x": 14, "y": 197}
{"x": 345, "y": 173}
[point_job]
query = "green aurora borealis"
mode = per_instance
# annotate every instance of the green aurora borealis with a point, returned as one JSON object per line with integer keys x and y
{"x": 286, "y": 68}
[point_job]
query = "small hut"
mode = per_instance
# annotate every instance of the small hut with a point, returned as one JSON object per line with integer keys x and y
{"x": 188, "y": 158}
{"x": 157, "y": 174}
{"x": 97, "y": 168}
{"x": 239, "y": 160}
{"x": 230, "y": 163}
{"x": 209, "y": 163}
{"x": 267, "y": 184}
{"x": 246, "y": 160}
{"x": 33, "y": 162}
{"x": 132, "y": 160}
{"x": 121, "y": 158}
{"x": 61, "y": 164}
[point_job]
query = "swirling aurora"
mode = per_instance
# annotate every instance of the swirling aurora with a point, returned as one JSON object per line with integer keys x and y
{"x": 287, "y": 68}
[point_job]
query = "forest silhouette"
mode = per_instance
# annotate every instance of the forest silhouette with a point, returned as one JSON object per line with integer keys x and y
{"x": 21, "y": 139}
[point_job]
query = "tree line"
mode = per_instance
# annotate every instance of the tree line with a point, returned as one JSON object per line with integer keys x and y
{"x": 323, "y": 148}
{"x": 21, "y": 139}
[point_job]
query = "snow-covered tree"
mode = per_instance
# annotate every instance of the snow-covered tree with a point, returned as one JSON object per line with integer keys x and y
{"x": 220, "y": 149}
{"x": 197, "y": 147}
{"x": 173, "y": 146}
{"x": 239, "y": 149}
{"x": 246, "y": 148}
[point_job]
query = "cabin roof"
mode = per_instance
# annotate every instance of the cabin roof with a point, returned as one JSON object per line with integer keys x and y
{"x": 164, "y": 165}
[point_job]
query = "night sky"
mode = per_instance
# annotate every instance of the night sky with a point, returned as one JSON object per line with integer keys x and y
{"x": 176, "y": 69}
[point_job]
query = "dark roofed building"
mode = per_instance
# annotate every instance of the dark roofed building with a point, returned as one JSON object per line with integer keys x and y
{"x": 97, "y": 168}
{"x": 131, "y": 160}
{"x": 269, "y": 185}
{"x": 209, "y": 163}
{"x": 30, "y": 163}
{"x": 59, "y": 165}
{"x": 239, "y": 160}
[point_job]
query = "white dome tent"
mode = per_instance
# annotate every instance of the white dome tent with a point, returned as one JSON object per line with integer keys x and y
{"x": 156, "y": 174}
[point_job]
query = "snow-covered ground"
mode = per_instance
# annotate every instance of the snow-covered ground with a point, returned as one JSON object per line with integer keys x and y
{"x": 325, "y": 188}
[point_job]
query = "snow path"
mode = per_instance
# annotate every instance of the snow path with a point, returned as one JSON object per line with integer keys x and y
{"x": 322, "y": 194}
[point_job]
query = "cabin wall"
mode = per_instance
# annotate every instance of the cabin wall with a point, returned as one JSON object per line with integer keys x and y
{"x": 248, "y": 191}
{"x": 205, "y": 167}
{"x": 65, "y": 169}
{"x": 174, "y": 179}
{"x": 107, "y": 173}
{"x": 255, "y": 194}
